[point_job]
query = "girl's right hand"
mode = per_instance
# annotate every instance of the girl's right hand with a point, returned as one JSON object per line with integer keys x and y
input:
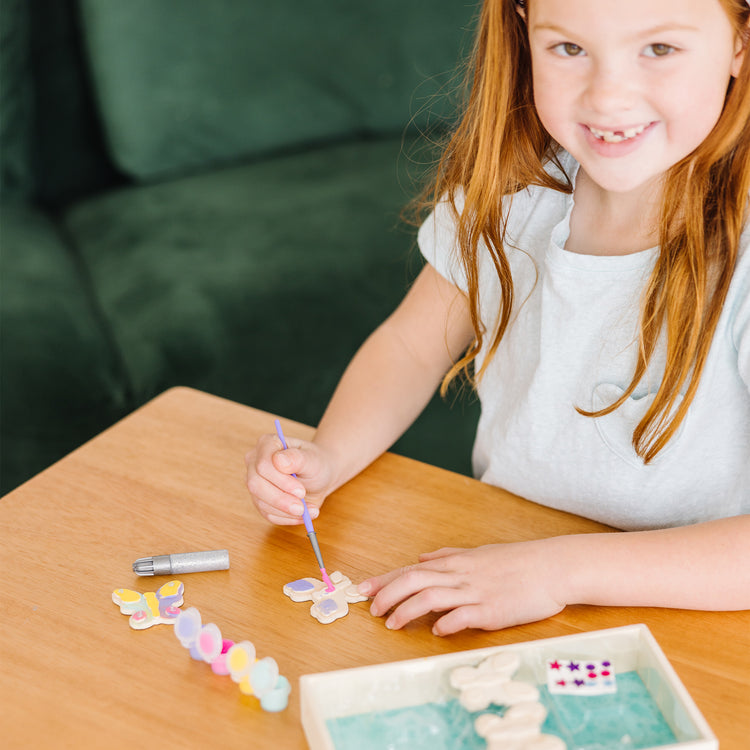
{"x": 276, "y": 493}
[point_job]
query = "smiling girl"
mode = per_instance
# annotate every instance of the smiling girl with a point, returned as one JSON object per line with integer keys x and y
{"x": 588, "y": 265}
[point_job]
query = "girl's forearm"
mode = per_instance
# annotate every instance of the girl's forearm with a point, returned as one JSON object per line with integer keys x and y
{"x": 704, "y": 566}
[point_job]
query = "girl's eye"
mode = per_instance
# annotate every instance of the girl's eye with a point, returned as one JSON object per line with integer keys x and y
{"x": 658, "y": 50}
{"x": 568, "y": 49}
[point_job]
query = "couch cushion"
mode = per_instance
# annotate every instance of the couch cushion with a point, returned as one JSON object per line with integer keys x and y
{"x": 196, "y": 83}
{"x": 61, "y": 383}
{"x": 259, "y": 282}
{"x": 230, "y": 276}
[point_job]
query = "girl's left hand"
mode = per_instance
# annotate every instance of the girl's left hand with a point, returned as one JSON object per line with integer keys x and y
{"x": 490, "y": 587}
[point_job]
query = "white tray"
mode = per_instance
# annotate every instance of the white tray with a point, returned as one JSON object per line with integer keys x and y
{"x": 381, "y": 687}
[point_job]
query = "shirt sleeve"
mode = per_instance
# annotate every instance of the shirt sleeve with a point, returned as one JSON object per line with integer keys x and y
{"x": 437, "y": 238}
{"x": 438, "y": 243}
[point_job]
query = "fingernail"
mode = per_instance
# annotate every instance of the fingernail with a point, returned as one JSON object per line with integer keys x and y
{"x": 374, "y": 611}
{"x": 299, "y": 492}
{"x": 389, "y": 624}
{"x": 297, "y": 509}
{"x": 364, "y": 588}
{"x": 314, "y": 513}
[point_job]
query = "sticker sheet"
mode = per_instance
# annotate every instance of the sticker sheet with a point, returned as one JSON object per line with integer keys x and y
{"x": 581, "y": 677}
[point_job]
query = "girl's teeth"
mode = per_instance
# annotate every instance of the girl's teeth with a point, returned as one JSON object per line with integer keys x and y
{"x": 615, "y": 136}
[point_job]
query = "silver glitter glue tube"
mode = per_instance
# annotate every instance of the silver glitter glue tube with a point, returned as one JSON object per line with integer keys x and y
{"x": 182, "y": 562}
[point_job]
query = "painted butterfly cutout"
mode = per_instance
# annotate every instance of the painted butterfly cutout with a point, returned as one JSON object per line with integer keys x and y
{"x": 327, "y": 606}
{"x": 151, "y": 608}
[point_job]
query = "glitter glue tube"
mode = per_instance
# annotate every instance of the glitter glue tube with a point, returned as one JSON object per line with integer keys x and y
{"x": 181, "y": 563}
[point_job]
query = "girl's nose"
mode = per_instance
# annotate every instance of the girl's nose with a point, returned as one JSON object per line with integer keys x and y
{"x": 610, "y": 89}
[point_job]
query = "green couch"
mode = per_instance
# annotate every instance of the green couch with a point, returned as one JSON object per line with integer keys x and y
{"x": 207, "y": 193}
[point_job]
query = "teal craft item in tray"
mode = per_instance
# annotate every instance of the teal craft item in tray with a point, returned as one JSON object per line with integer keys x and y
{"x": 411, "y": 704}
{"x": 628, "y": 719}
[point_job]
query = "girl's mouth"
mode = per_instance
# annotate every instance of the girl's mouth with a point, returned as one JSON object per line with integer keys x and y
{"x": 618, "y": 136}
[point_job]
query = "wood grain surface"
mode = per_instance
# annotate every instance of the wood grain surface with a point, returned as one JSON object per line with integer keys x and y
{"x": 170, "y": 478}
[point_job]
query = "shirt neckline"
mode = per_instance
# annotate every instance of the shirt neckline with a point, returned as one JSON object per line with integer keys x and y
{"x": 558, "y": 255}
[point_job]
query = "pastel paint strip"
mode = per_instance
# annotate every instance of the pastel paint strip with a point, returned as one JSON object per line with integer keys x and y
{"x": 219, "y": 665}
{"x": 264, "y": 676}
{"x": 240, "y": 659}
{"x": 187, "y": 626}
{"x": 277, "y": 699}
{"x": 256, "y": 677}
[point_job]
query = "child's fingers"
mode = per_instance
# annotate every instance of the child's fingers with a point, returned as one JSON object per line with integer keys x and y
{"x": 279, "y": 479}
{"x": 440, "y": 553}
{"x": 290, "y": 461}
{"x": 460, "y": 618}
{"x": 277, "y": 512}
{"x": 276, "y": 495}
{"x": 418, "y": 591}
{"x": 372, "y": 586}
{"x": 407, "y": 583}
{"x": 274, "y": 505}
{"x": 432, "y": 598}
{"x": 276, "y": 489}
{"x": 270, "y": 461}
{"x": 267, "y": 448}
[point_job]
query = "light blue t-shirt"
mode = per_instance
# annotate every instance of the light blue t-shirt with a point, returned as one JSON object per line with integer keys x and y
{"x": 572, "y": 342}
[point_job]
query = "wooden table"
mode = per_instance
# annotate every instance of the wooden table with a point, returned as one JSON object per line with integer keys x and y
{"x": 170, "y": 478}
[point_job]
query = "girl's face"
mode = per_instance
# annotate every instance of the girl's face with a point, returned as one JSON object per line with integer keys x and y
{"x": 630, "y": 87}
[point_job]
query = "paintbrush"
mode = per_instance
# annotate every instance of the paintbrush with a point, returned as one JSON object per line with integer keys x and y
{"x": 308, "y": 522}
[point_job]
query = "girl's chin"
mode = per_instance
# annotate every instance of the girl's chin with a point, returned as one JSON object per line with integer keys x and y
{"x": 621, "y": 181}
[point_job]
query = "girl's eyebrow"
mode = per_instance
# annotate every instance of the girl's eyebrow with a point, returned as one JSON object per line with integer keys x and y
{"x": 659, "y": 29}
{"x": 669, "y": 27}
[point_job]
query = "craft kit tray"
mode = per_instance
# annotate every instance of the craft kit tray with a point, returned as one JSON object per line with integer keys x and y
{"x": 414, "y": 704}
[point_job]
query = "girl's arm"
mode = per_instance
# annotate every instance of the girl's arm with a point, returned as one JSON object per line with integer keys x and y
{"x": 393, "y": 376}
{"x": 385, "y": 387}
{"x": 705, "y": 566}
